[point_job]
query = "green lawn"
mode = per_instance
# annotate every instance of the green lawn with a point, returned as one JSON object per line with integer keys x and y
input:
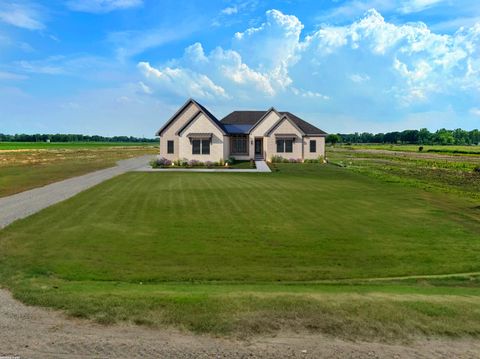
{"x": 242, "y": 253}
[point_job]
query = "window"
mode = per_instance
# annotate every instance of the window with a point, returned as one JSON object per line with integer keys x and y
{"x": 196, "y": 147}
{"x": 285, "y": 146}
{"x": 280, "y": 146}
{"x": 313, "y": 146}
{"x": 200, "y": 147}
{"x": 239, "y": 145}
{"x": 205, "y": 147}
{"x": 289, "y": 146}
{"x": 169, "y": 146}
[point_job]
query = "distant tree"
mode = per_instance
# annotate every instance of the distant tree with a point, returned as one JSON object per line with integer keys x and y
{"x": 59, "y": 137}
{"x": 409, "y": 136}
{"x": 392, "y": 137}
{"x": 461, "y": 137}
{"x": 424, "y": 136}
{"x": 443, "y": 137}
{"x": 333, "y": 139}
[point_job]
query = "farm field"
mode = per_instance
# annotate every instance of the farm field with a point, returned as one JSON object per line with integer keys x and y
{"x": 69, "y": 145}
{"x": 309, "y": 247}
{"x": 25, "y": 166}
{"x": 414, "y": 148}
{"x": 438, "y": 171}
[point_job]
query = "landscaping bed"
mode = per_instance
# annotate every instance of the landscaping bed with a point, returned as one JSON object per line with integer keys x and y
{"x": 231, "y": 163}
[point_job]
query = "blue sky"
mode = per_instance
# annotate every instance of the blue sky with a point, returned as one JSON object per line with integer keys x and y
{"x": 122, "y": 67}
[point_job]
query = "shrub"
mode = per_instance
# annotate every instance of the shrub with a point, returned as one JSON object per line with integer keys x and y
{"x": 477, "y": 170}
{"x": 221, "y": 162}
{"x": 319, "y": 159}
{"x": 209, "y": 164}
{"x": 195, "y": 163}
{"x": 183, "y": 162}
{"x": 231, "y": 160}
{"x": 160, "y": 162}
{"x": 276, "y": 159}
{"x": 252, "y": 163}
{"x": 420, "y": 149}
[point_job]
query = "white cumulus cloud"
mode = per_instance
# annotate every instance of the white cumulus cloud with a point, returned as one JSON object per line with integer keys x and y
{"x": 401, "y": 68}
{"x": 182, "y": 81}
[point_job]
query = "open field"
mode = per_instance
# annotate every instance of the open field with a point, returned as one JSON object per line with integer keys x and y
{"x": 69, "y": 145}
{"x": 439, "y": 172}
{"x": 25, "y": 166}
{"x": 414, "y": 148}
{"x": 302, "y": 249}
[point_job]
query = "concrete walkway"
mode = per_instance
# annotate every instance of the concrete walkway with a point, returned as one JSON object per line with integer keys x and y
{"x": 262, "y": 166}
{"x": 26, "y": 203}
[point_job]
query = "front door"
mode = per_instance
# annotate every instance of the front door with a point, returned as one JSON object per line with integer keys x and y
{"x": 258, "y": 147}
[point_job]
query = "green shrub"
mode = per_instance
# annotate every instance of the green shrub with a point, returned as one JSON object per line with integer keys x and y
{"x": 276, "y": 159}
{"x": 319, "y": 159}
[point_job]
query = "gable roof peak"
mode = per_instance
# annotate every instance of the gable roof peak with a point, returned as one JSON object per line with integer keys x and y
{"x": 202, "y": 109}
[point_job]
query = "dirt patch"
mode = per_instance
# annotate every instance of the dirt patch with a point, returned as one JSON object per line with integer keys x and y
{"x": 40, "y": 333}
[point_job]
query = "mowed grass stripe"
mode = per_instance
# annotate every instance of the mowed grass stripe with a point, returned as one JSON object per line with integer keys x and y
{"x": 304, "y": 223}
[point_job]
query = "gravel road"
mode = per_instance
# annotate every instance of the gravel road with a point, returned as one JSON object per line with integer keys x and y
{"x": 26, "y": 203}
{"x": 31, "y": 332}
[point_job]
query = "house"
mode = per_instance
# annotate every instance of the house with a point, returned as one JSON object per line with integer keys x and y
{"x": 195, "y": 133}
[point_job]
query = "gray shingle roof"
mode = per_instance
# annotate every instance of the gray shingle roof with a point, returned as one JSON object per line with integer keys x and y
{"x": 250, "y": 118}
{"x": 306, "y": 127}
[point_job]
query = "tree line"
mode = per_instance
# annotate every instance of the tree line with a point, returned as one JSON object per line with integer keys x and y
{"x": 418, "y": 137}
{"x": 59, "y": 137}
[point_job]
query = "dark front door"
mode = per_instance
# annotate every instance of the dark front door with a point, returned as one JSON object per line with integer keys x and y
{"x": 258, "y": 147}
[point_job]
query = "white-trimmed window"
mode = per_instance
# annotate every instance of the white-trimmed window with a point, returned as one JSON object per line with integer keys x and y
{"x": 200, "y": 147}
{"x": 284, "y": 146}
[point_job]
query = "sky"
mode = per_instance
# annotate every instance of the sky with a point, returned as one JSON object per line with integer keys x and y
{"x": 123, "y": 67}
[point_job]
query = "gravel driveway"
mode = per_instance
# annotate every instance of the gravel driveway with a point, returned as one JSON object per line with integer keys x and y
{"x": 31, "y": 332}
{"x": 26, "y": 203}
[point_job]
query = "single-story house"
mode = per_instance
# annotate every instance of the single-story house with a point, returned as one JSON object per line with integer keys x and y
{"x": 195, "y": 134}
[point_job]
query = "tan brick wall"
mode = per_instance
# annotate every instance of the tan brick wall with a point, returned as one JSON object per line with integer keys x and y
{"x": 320, "y": 147}
{"x": 202, "y": 125}
{"x": 284, "y": 128}
{"x": 171, "y": 130}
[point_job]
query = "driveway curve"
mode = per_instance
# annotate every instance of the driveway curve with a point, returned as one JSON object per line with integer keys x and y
{"x": 26, "y": 203}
